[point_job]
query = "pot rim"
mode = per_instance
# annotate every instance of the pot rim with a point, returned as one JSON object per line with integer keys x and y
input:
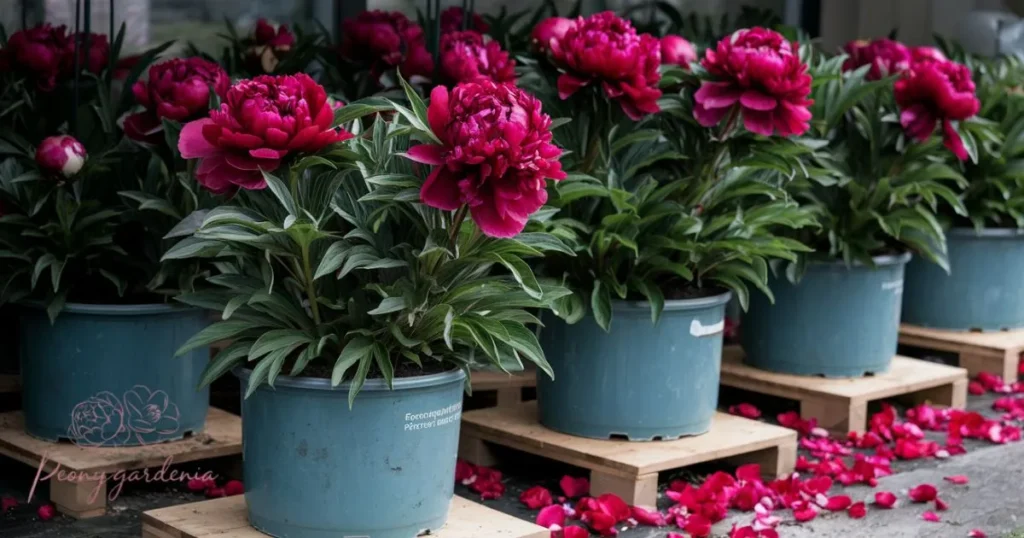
{"x": 371, "y": 385}
{"x": 115, "y": 309}
{"x": 988, "y": 233}
{"x": 885, "y": 260}
{"x": 674, "y": 304}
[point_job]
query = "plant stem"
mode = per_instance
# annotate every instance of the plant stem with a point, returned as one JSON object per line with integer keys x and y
{"x": 453, "y": 234}
{"x": 310, "y": 290}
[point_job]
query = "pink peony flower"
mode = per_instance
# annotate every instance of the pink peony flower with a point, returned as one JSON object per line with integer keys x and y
{"x": 61, "y": 156}
{"x": 605, "y": 49}
{"x": 676, "y": 50}
{"x": 936, "y": 92}
{"x": 921, "y": 54}
{"x": 383, "y": 40}
{"x": 261, "y": 122}
{"x": 270, "y": 43}
{"x": 451, "y": 21}
{"x": 758, "y": 71}
{"x": 45, "y": 54}
{"x": 179, "y": 90}
{"x": 548, "y": 29}
{"x": 494, "y": 156}
{"x": 885, "y": 56}
{"x": 468, "y": 57}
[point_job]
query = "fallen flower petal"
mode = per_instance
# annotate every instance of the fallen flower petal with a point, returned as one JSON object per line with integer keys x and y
{"x": 575, "y": 532}
{"x": 978, "y": 533}
{"x": 600, "y": 522}
{"x": 698, "y": 526}
{"x": 614, "y": 506}
{"x": 885, "y": 499}
{"x": 976, "y": 388}
{"x": 536, "y": 498}
{"x": 857, "y": 510}
{"x": 46, "y": 512}
{"x": 745, "y": 410}
{"x": 958, "y": 479}
{"x": 6, "y": 503}
{"x": 464, "y": 471}
{"x": 215, "y": 493}
{"x": 651, "y": 518}
{"x": 941, "y": 505}
{"x": 839, "y": 502}
{"x": 234, "y": 487}
{"x": 931, "y": 516}
{"x": 550, "y": 516}
{"x": 923, "y": 493}
{"x": 574, "y": 487}
{"x": 199, "y": 484}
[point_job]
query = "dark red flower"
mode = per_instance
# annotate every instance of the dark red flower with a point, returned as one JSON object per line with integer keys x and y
{"x": 179, "y": 90}
{"x": 452, "y": 18}
{"x": 45, "y": 54}
{"x": 270, "y": 44}
{"x": 885, "y": 56}
{"x": 261, "y": 122}
{"x": 548, "y": 29}
{"x": 386, "y": 40}
{"x": 266, "y": 33}
{"x": 605, "y": 49}
{"x": 536, "y": 497}
{"x": 468, "y": 57}
{"x": 60, "y": 156}
{"x": 676, "y": 50}
{"x": 494, "y": 156}
{"x": 936, "y": 92}
{"x": 759, "y": 71}
{"x": 920, "y": 54}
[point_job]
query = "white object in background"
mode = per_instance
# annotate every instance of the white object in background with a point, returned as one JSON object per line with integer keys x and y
{"x": 992, "y": 32}
{"x": 133, "y": 13}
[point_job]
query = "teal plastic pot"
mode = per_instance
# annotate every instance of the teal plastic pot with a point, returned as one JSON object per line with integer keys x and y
{"x": 984, "y": 289}
{"x": 106, "y": 375}
{"x": 838, "y": 321}
{"x": 384, "y": 469}
{"x": 640, "y": 381}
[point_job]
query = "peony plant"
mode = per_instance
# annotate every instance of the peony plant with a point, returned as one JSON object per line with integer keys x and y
{"x": 880, "y": 173}
{"x": 349, "y": 252}
{"x": 267, "y": 48}
{"x": 675, "y": 185}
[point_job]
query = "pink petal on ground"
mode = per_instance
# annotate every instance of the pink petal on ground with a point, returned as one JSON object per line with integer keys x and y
{"x": 536, "y": 498}
{"x": 885, "y": 499}
{"x": 857, "y": 510}
{"x": 805, "y": 514}
{"x": 923, "y": 493}
{"x": 941, "y": 505}
{"x": 46, "y": 512}
{"x": 614, "y": 506}
{"x": 575, "y": 532}
{"x": 651, "y": 518}
{"x": 957, "y": 479}
{"x": 192, "y": 144}
{"x": 551, "y": 515}
{"x": 976, "y": 388}
{"x": 574, "y": 487}
{"x": 839, "y": 502}
{"x": 931, "y": 516}
{"x": 745, "y": 410}
{"x": 7, "y": 502}
{"x": 431, "y": 154}
{"x": 977, "y": 533}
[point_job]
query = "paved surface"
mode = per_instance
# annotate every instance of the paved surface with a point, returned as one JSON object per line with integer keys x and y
{"x": 993, "y": 500}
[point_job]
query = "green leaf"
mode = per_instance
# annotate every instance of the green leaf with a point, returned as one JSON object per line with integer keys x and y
{"x": 277, "y": 339}
{"x": 388, "y": 306}
{"x": 360, "y": 378}
{"x": 525, "y": 341}
{"x": 355, "y": 350}
{"x": 223, "y": 330}
{"x": 521, "y": 272}
{"x": 380, "y": 354}
{"x": 224, "y": 361}
{"x": 654, "y": 296}
{"x": 192, "y": 247}
{"x": 281, "y": 192}
{"x": 601, "y": 305}
{"x": 360, "y": 108}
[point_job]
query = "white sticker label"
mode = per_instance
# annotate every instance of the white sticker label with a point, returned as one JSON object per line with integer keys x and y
{"x": 699, "y": 330}
{"x": 433, "y": 419}
{"x": 896, "y": 286}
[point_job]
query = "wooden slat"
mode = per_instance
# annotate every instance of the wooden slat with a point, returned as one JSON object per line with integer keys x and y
{"x": 488, "y": 380}
{"x": 905, "y": 376}
{"x": 226, "y": 518}
{"x": 518, "y": 428}
{"x": 222, "y": 437}
{"x": 994, "y": 343}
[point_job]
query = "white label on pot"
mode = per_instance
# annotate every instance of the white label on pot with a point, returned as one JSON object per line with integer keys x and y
{"x": 699, "y": 330}
{"x": 896, "y": 286}
{"x": 432, "y": 419}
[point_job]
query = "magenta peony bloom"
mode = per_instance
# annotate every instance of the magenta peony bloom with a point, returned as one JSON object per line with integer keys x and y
{"x": 179, "y": 90}
{"x": 275, "y": 36}
{"x": 270, "y": 43}
{"x": 468, "y": 56}
{"x": 494, "y": 156}
{"x": 676, "y": 50}
{"x": 759, "y": 71}
{"x": 261, "y": 122}
{"x": 885, "y": 56}
{"x": 382, "y": 40}
{"x": 61, "y": 156}
{"x": 451, "y": 21}
{"x": 605, "y": 49}
{"x": 921, "y": 54}
{"x": 936, "y": 92}
{"x": 46, "y": 54}
{"x": 548, "y": 29}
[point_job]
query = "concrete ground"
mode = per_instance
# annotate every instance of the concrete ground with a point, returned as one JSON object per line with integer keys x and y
{"x": 992, "y": 502}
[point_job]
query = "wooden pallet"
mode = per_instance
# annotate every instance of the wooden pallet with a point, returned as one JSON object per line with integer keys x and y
{"x": 10, "y": 383}
{"x": 508, "y": 386}
{"x": 94, "y": 465}
{"x": 227, "y": 518}
{"x": 628, "y": 469}
{"x": 841, "y": 405}
{"x": 995, "y": 352}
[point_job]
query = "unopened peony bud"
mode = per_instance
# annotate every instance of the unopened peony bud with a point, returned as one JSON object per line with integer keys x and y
{"x": 677, "y": 51}
{"x": 61, "y": 155}
{"x": 548, "y": 29}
